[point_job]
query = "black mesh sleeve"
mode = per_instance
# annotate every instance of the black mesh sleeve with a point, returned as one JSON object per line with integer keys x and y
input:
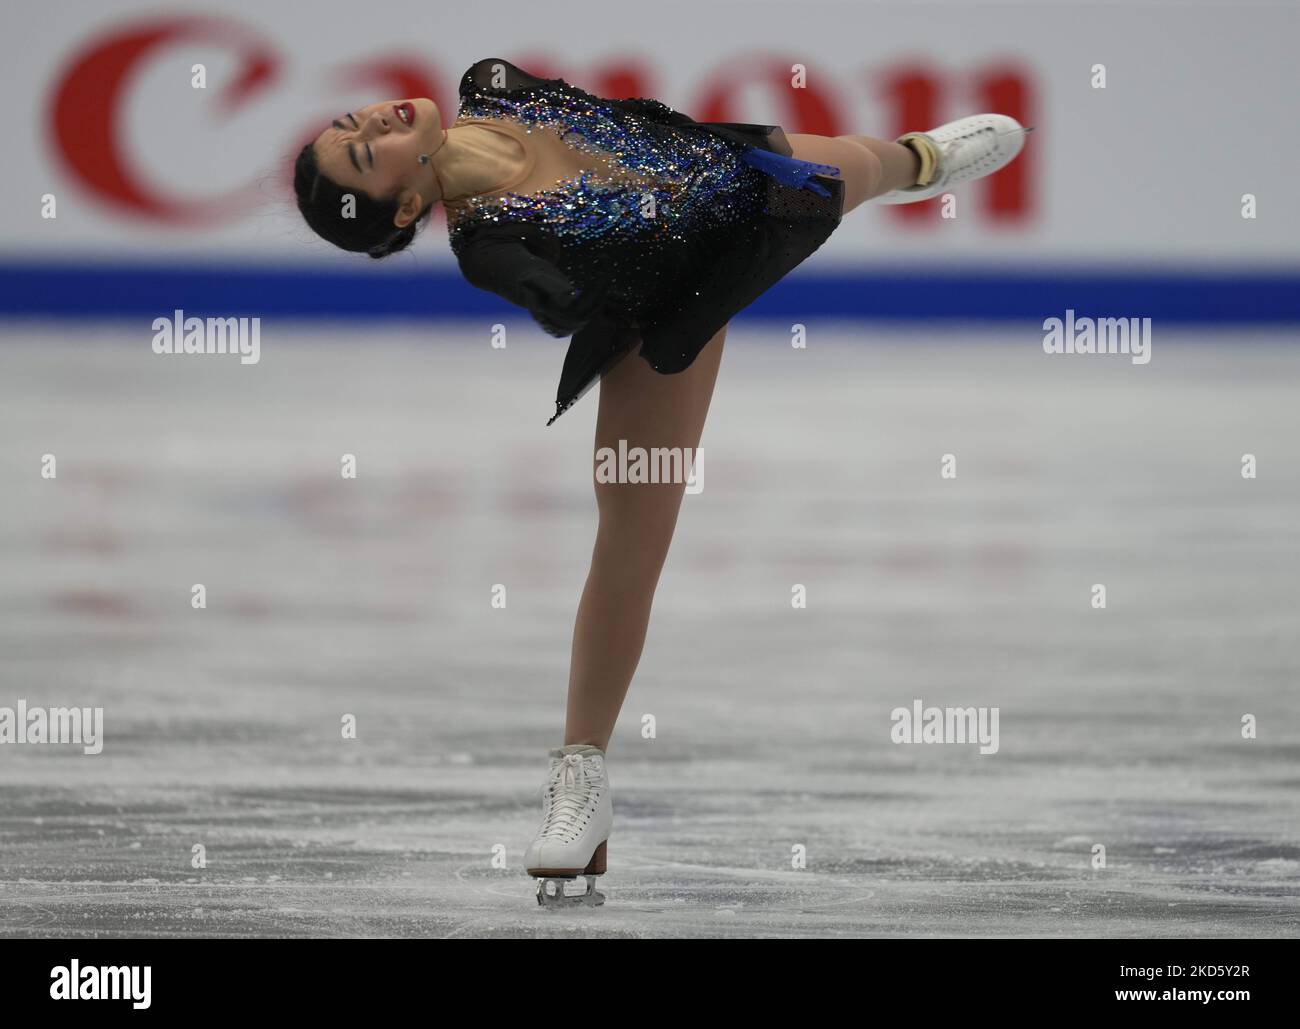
{"x": 498, "y": 259}
{"x": 497, "y": 75}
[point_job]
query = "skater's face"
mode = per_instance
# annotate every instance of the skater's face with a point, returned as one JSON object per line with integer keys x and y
{"x": 376, "y": 150}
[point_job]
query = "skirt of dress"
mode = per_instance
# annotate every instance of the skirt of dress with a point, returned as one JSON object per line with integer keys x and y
{"x": 802, "y": 206}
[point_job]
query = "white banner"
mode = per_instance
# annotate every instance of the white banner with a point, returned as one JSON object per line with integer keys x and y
{"x": 1154, "y": 122}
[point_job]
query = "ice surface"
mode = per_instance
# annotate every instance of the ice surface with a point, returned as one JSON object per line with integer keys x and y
{"x": 371, "y": 597}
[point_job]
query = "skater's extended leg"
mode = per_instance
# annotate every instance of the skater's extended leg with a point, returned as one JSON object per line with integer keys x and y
{"x": 647, "y": 409}
{"x": 869, "y": 167}
{"x": 931, "y": 163}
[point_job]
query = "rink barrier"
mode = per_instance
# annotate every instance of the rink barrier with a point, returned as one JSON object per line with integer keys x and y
{"x": 79, "y": 290}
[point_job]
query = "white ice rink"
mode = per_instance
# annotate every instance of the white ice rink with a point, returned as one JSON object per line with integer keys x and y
{"x": 371, "y": 597}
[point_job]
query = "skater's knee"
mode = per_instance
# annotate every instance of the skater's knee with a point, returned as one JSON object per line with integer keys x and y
{"x": 636, "y": 525}
{"x": 642, "y": 508}
{"x": 634, "y": 563}
{"x": 860, "y": 167}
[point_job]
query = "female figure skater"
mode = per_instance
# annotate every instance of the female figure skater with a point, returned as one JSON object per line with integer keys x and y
{"x": 626, "y": 225}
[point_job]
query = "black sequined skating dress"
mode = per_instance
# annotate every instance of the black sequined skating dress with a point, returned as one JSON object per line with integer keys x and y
{"x": 728, "y": 213}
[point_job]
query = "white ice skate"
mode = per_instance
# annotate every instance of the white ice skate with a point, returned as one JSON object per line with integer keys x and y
{"x": 577, "y": 815}
{"x": 960, "y": 151}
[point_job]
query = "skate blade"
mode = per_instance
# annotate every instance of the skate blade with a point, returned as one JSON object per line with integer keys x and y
{"x": 551, "y": 895}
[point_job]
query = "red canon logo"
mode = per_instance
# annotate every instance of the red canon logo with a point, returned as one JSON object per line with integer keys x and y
{"x": 92, "y": 93}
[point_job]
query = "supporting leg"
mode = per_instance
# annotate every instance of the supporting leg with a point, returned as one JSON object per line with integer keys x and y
{"x": 647, "y": 409}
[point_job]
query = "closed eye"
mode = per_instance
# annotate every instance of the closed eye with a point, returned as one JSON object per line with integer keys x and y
{"x": 352, "y": 153}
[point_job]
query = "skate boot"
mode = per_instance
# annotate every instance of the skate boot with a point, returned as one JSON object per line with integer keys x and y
{"x": 577, "y": 815}
{"x": 960, "y": 151}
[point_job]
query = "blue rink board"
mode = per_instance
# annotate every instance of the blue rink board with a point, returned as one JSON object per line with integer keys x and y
{"x": 991, "y": 293}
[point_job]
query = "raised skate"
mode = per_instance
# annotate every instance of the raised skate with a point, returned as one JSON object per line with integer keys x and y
{"x": 577, "y": 815}
{"x": 966, "y": 149}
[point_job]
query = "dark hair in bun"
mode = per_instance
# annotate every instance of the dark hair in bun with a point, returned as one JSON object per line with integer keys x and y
{"x": 371, "y": 231}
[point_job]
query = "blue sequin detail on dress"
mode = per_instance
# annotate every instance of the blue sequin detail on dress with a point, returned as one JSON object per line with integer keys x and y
{"x": 693, "y": 178}
{"x": 673, "y": 189}
{"x": 790, "y": 170}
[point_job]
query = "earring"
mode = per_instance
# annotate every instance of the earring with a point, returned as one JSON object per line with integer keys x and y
{"x": 423, "y": 158}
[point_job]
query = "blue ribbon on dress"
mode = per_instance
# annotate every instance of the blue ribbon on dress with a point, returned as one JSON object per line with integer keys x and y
{"x": 789, "y": 170}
